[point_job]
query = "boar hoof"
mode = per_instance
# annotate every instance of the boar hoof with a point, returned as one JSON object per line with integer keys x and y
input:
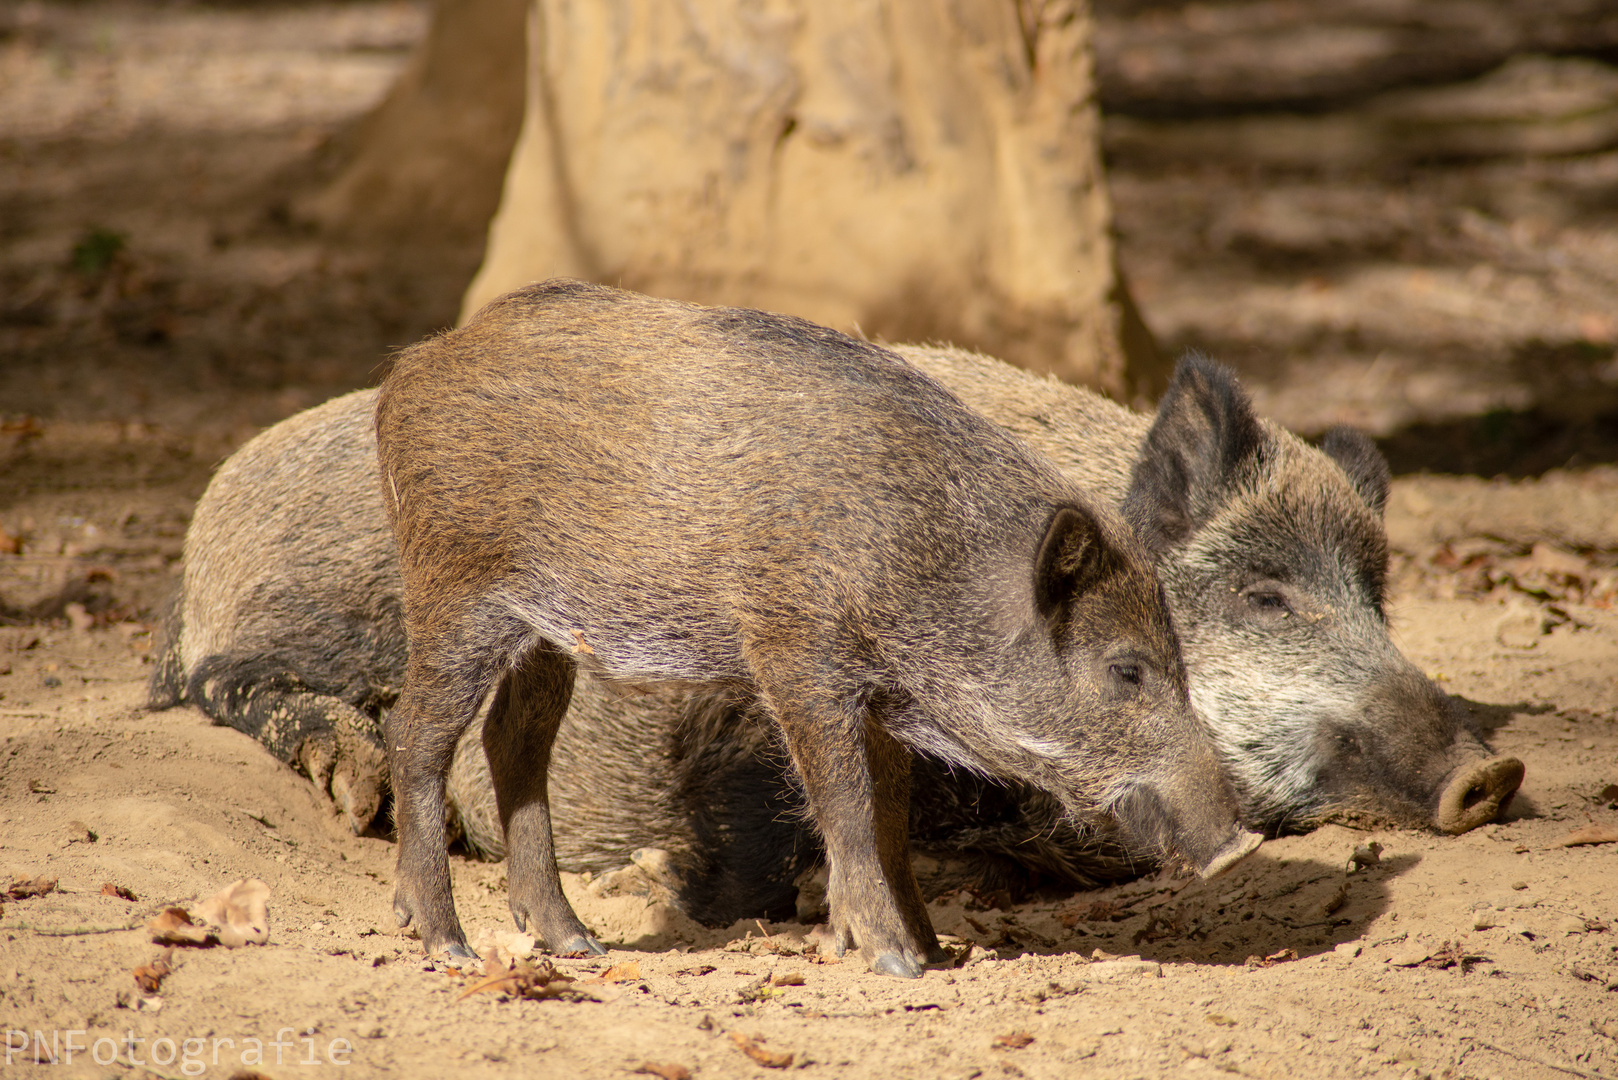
{"x": 359, "y": 797}
{"x": 1235, "y": 850}
{"x": 580, "y": 943}
{"x": 900, "y": 967}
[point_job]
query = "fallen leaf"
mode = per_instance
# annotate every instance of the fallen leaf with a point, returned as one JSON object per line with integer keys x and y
{"x": 1222, "y": 1021}
{"x": 173, "y": 926}
{"x": 1273, "y": 959}
{"x": 1367, "y": 854}
{"x": 504, "y": 947}
{"x": 1449, "y": 955}
{"x": 1013, "y": 1040}
{"x": 628, "y": 971}
{"x": 24, "y": 887}
{"x": 241, "y": 911}
{"x": 533, "y": 981}
{"x": 1336, "y": 901}
{"x": 149, "y": 977}
{"x": 767, "y": 1058}
{"x": 117, "y": 891}
{"x": 790, "y": 978}
{"x": 705, "y": 969}
{"x": 668, "y": 1071}
{"x": 1591, "y": 834}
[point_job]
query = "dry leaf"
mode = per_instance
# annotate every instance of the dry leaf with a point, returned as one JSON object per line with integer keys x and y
{"x": 24, "y": 888}
{"x": 527, "y": 980}
{"x": 767, "y": 1058}
{"x": 628, "y": 971}
{"x": 790, "y": 978}
{"x": 149, "y": 977}
{"x": 117, "y": 891}
{"x": 503, "y": 948}
{"x": 173, "y": 926}
{"x": 705, "y": 969}
{"x": 241, "y": 911}
{"x": 668, "y": 1071}
{"x": 1591, "y": 834}
{"x": 1274, "y": 958}
{"x": 1013, "y": 1040}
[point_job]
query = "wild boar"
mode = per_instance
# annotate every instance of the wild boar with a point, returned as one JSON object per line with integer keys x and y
{"x": 725, "y": 498}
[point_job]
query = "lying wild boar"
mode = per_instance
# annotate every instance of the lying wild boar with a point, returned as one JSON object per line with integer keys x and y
{"x": 725, "y": 498}
{"x": 290, "y": 610}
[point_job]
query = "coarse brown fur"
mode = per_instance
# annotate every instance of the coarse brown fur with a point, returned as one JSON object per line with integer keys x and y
{"x": 297, "y": 603}
{"x": 664, "y": 493}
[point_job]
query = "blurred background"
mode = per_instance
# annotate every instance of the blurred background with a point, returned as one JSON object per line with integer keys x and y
{"x": 1396, "y": 214}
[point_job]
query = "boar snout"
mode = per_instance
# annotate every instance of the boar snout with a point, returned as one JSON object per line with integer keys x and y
{"x": 1476, "y": 793}
{"x": 1203, "y": 830}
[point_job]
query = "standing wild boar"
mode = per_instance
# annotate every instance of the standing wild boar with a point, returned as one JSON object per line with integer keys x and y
{"x": 665, "y": 493}
{"x": 290, "y": 612}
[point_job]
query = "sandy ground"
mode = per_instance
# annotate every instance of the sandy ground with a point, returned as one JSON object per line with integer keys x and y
{"x": 124, "y": 379}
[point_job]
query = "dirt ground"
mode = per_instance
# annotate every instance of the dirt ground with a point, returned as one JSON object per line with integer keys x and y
{"x": 158, "y": 305}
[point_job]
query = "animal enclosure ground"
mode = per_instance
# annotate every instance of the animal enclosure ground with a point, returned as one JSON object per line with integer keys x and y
{"x": 157, "y": 306}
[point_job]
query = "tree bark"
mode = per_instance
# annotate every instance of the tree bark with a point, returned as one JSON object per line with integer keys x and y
{"x": 424, "y": 168}
{"x": 910, "y": 170}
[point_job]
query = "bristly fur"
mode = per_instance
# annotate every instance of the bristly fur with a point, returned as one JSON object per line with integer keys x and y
{"x": 1273, "y": 688}
{"x": 726, "y": 498}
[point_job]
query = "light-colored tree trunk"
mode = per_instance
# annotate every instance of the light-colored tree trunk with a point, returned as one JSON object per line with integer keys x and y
{"x": 424, "y": 168}
{"x": 907, "y": 169}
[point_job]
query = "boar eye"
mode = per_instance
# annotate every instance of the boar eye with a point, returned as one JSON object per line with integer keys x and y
{"x": 1129, "y": 673}
{"x": 1269, "y": 602}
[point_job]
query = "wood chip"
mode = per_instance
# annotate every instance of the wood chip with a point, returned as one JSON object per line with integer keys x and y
{"x": 1012, "y": 1040}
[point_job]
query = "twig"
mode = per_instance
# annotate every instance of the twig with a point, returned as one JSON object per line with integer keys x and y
{"x": 1534, "y": 1060}
{"x": 72, "y": 931}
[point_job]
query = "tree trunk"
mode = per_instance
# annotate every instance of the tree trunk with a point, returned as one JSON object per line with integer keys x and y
{"x": 423, "y": 169}
{"x": 910, "y": 170}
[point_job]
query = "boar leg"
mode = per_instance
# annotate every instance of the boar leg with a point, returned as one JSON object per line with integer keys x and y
{"x": 857, "y": 780}
{"x": 338, "y": 746}
{"x": 517, "y": 738}
{"x": 433, "y": 710}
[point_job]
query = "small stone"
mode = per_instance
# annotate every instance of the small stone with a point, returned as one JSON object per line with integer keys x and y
{"x": 1571, "y": 925}
{"x": 1519, "y": 885}
{"x": 1483, "y": 920}
{"x": 1408, "y": 957}
{"x": 1349, "y": 949}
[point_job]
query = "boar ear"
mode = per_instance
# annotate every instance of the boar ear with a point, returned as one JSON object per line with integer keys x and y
{"x": 1073, "y": 557}
{"x": 1367, "y": 469}
{"x": 1205, "y": 429}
